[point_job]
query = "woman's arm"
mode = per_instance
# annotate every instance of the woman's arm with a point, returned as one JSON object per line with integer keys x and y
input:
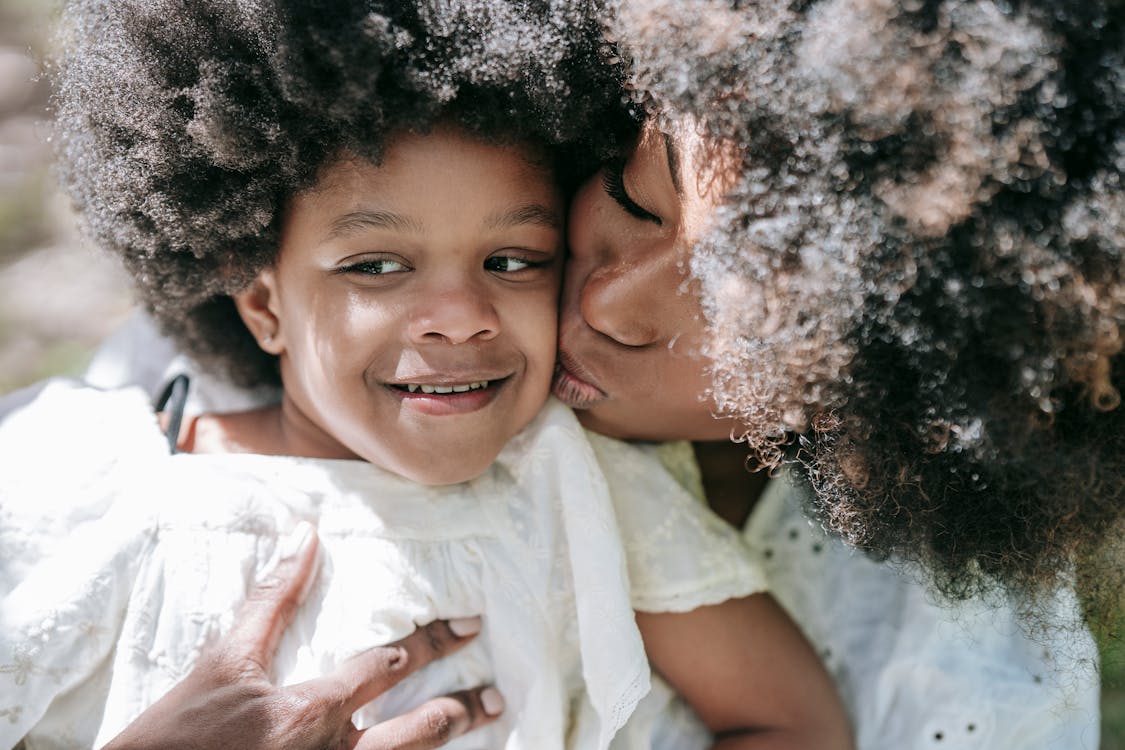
{"x": 228, "y": 700}
{"x": 750, "y": 675}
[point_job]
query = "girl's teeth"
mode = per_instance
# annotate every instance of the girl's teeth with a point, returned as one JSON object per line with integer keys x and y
{"x": 441, "y": 389}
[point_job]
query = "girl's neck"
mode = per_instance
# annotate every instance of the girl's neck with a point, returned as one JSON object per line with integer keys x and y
{"x": 278, "y": 430}
{"x": 252, "y": 431}
{"x": 731, "y": 486}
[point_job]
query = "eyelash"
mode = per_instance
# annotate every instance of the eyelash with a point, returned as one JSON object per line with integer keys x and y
{"x": 366, "y": 267}
{"x": 613, "y": 182}
{"x": 529, "y": 264}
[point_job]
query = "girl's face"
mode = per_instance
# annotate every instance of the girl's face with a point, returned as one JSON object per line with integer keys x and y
{"x": 413, "y": 306}
{"x": 631, "y": 329}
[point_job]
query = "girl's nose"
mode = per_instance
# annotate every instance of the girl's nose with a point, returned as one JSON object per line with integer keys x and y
{"x": 455, "y": 316}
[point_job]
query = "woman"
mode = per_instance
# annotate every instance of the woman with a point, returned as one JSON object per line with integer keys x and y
{"x": 635, "y": 344}
{"x": 905, "y": 223}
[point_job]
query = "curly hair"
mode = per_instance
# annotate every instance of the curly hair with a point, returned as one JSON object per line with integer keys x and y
{"x": 186, "y": 125}
{"x": 920, "y": 270}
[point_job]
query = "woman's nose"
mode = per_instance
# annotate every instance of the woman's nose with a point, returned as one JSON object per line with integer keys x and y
{"x": 454, "y": 315}
{"x": 621, "y": 301}
{"x": 623, "y": 276}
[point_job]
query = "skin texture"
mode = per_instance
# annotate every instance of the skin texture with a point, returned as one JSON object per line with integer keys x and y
{"x": 631, "y": 331}
{"x": 228, "y": 700}
{"x": 653, "y": 391}
{"x": 750, "y": 675}
{"x": 440, "y": 266}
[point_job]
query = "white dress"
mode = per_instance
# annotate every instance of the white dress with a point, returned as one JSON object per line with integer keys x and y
{"x": 913, "y": 672}
{"x": 917, "y": 673}
{"x": 119, "y": 562}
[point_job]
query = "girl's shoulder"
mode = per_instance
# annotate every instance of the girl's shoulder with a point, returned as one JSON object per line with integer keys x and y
{"x": 65, "y": 424}
{"x": 63, "y": 448}
{"x": 680, "y": 554}
{"x": 66, "y": 451}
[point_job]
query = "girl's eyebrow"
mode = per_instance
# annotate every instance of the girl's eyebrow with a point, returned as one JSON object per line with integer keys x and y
{"x": 531, "y": 213}
{"x": 355, "y": 221}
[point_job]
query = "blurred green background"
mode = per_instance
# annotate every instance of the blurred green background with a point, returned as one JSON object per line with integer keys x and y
{"x": 59, "y": 297}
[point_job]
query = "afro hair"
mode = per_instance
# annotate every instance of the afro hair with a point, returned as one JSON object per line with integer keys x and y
{"x": 920, "y": 269}
{"x": 186, "y": 125}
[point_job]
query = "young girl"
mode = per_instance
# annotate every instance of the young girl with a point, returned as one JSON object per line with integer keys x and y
{"x": 398, "y": 270}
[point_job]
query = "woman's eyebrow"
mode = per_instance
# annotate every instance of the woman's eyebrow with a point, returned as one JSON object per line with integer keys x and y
{"x": 355, "y": 221}
{"x": 673, "y": 162}
{"x": 530, "y": 213}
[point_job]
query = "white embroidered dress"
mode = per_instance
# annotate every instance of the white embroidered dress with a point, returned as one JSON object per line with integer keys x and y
{"x": 120, "y": 562}
{"x": 921, "y": 674}
{"x": 915, "y": 674}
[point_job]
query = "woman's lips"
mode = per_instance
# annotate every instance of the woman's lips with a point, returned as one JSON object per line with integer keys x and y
{"x": 570, "y": 387}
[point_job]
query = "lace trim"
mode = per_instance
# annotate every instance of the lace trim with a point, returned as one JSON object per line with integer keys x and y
{"x": 630, "y": 694}
{"x": 713, "y": 591}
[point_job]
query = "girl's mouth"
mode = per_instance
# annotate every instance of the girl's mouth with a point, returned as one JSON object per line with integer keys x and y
{"x": 448, "y": 398}
{"x": 441, "y": 390}
{"x": 572, "y": 389}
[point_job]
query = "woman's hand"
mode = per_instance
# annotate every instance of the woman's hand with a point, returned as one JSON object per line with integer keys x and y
{"x": 228, "y": 700}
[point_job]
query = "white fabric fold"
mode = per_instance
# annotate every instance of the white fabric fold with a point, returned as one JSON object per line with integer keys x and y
{"x": 148, "y": 556}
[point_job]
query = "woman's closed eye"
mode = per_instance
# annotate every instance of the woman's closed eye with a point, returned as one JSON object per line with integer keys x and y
{"x": 613, "y": 181}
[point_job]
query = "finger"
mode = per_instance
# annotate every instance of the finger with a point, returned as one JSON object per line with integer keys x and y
{"x": 368, "y": 675}
{"x": 272, "y": 603}
{"x": 434, "y": 723}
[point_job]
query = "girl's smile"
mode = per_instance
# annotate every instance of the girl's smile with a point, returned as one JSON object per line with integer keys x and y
{"x": 436, "y": 395}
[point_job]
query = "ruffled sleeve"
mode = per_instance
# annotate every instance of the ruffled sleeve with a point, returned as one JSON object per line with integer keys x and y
{"x": 68, "y": 551}
{"x": 63, "y": 448}
{"x": 680, "y": 555}
{"x": 60, "y": 623}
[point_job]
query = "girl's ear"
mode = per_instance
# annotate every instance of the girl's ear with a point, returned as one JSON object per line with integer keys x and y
{"x": 256, "y": 304}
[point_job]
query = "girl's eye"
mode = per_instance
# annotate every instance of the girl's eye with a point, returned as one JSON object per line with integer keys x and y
{"x": 510, "y": 264}
{"x": 376, "y": 267}
{"x": 613, "y": 181}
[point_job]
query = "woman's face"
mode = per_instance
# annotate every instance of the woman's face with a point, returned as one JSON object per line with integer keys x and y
{"x": 631, "y": 329}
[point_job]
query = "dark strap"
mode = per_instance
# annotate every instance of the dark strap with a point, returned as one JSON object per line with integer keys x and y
{"x": 173, "y": 400}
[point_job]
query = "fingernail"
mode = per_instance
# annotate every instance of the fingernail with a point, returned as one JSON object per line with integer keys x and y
{"x": 465, "y": 626}
{"x": 296, "y": 541}
{"x": 491, "y": 701}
